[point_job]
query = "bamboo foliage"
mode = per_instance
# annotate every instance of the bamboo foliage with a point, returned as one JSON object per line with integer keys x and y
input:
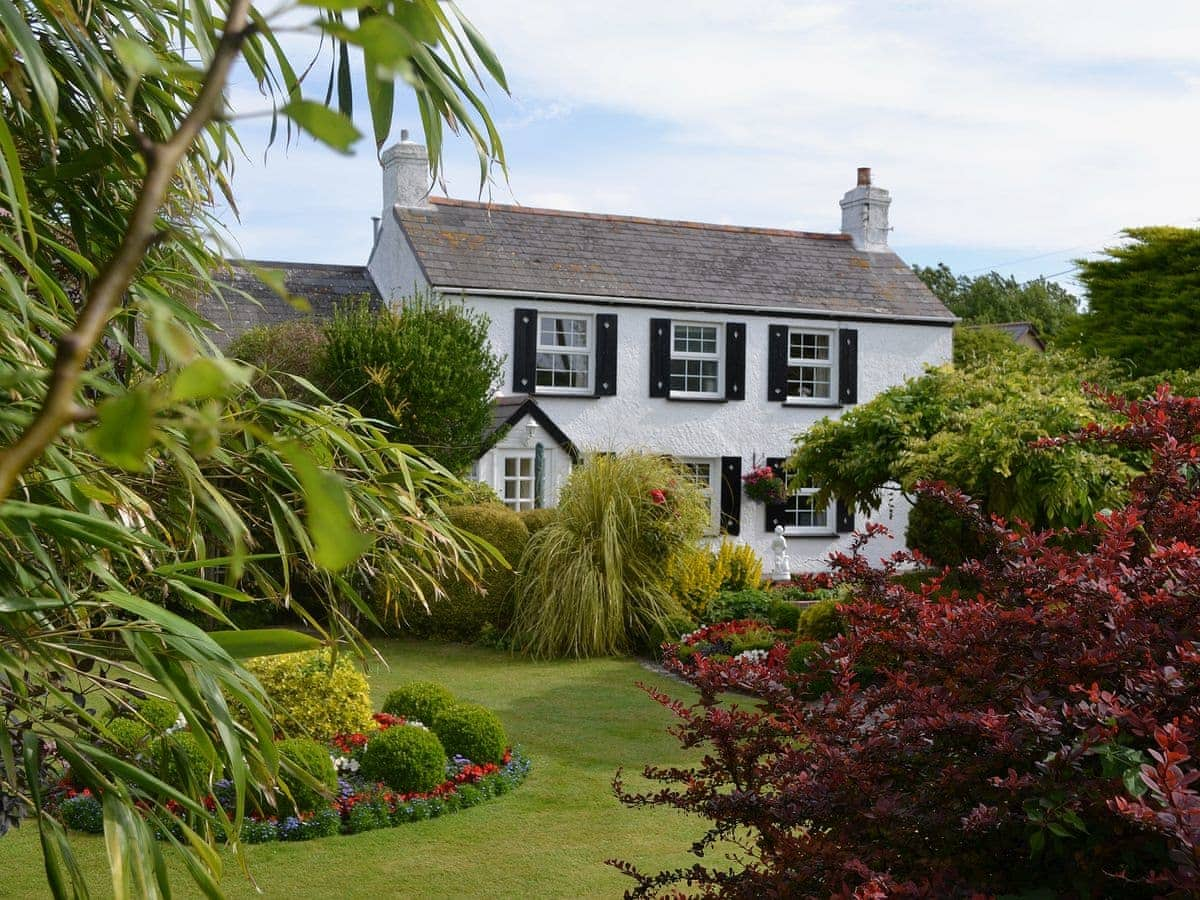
{"x": 144, "y": 486}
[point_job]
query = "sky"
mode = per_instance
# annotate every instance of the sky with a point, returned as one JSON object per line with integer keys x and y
{"x": 1013, "y": 135}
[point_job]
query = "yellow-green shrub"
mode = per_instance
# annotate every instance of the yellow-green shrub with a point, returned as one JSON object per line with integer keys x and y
{"x": 469, "y": 605}
{"x": 739, "y": 566}
{"x": 694, "y": 579}
{"x": 313, "y": 699}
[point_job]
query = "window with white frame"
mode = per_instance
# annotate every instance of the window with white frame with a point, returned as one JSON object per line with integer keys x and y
{"x": 810, "y": 373}
{"x": 706, "y": 473}
{"x": 516, "y": 482}
{"x": 801, "y": 514}
{"x": 695, "y": 359}
{"x": 565, "y": 346}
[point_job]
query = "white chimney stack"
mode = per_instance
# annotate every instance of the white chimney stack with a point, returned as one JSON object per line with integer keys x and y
{"x": 865, "y": 214}
{"x": 405, "y": 175}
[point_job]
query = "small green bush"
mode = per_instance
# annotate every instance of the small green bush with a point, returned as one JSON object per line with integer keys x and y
{"x": 312, "y": 758}
{"x": 755, "y": 639}
{"x": 129, "y": 734}
{"x": 793, "y": 593}
{"x": 158, "y": 714}
{"x": 802, "y": 655}
{"x": 784, "y": 615}
{"x": 83, "y": 812}
{"x": 167, "y": 752}
{"x": 671, "y": 629}
{"x": 311, "y": 698}
{"x": 405, "y": 758}
{"x": 296, "y": 347}
{"x": 537, "y": 519}
{"x": 471, "y": 731}
{"x": 469, "y": 605}
{"x": 731, "y": 605}
{"x": 821, "y": 621}
{"x": 468, "y": 492}
{"x": 420, "y": 700}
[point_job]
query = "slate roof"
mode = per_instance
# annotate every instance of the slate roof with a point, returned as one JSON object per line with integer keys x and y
{"x": 465, "y": 245}
{"x": 1017, "y": 331}
{"x": 322, "y": 285}
{"x": 508, "y": 410}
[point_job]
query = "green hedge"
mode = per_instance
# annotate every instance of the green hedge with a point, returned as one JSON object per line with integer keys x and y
{"x": 467, "y": 607}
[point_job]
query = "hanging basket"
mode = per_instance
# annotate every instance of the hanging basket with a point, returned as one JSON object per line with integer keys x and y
{"x": 764, "y": 486}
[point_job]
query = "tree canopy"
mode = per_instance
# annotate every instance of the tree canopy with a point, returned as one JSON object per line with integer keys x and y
{"x": 994, "y": 298}
{"x": 144, "y": 485}
{"x": 970, "y": 425}
{"x": 425, "y": 366}
{"x": 1143, "y": 301}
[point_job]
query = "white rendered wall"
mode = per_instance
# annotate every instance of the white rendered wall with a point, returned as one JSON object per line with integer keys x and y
{"x": 490, "y": 467}
{"x": 753, "y": 429}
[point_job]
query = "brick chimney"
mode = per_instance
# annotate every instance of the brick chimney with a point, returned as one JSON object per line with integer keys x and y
{"x": 865, "y": 214}
{"x": 405, "y": 175}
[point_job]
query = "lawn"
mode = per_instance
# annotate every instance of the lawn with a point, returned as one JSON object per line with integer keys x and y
{"x": 579, "y": 721}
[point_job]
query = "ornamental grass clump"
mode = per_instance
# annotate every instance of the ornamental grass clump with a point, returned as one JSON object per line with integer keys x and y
{"x": 592, "y": 583}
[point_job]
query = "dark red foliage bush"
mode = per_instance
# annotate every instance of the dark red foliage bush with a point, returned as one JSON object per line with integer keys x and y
{"x": 1038, "y": 734}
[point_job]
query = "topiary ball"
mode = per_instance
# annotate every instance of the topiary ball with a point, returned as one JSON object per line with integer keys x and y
{"x": 405, "y": 758}
{"x": 128, "y": 734}
{"x": 420, "y": 700}
{"x": 821, "y": 621}
{"x": 168, "y": 751}
{"x": 471, "y": 731}
{"x": 313, "y": 696}
{"x": 313, "y": 759}
{"x": 158, "y": 714}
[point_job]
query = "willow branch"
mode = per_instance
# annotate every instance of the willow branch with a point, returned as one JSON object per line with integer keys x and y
{"x": 59, "y": 409}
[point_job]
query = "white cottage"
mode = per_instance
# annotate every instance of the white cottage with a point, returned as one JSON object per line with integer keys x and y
{"x": 715, "y": 344}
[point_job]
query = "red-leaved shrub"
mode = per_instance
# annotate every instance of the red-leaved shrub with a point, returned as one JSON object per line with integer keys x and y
{"x": 1038, "y": 734}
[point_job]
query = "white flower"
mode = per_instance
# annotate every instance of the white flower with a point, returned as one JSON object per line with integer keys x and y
{"x": 344, "y": 763}
{"x": 752, "y": 655}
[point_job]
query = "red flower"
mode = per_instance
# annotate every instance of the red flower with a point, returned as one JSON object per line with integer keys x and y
{"x": 658, "y": 496}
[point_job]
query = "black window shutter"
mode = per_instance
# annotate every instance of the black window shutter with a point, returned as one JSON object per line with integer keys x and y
{"x": 606, "y": 355}
{"x": 847, "y": 365}
{"x": 660, "y": 357}
{"x": 845, "y": 517}
{"x": 731, "y": 494}
{"x": 776, "y": 512}
{"x": 777, "y": 354}
{"x": 735, "y": 360}
{"x": 524, "y": 351}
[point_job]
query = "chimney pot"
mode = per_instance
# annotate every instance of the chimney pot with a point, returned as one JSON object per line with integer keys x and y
{"x": 405, "y": 175}
{"x": 865, "y": 214}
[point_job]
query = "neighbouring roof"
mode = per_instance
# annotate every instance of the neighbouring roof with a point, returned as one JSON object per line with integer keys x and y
{"x": 465, "y": 245}
{"x": 322, "y": 285}
{"x": 507, "y": 411}
{"x": 1021, "y": 332}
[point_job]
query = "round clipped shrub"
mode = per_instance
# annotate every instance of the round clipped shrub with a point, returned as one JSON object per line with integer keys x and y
{"x": 821, "y": 621}
{"x": 405, "y": 758}
{"x": 158, "y": 714}
{"x": 313, "y": 699}
{"x": 128, "y": 734}
{"x": 83, "y": 812}
{"x": 167, "y": 751}
{"x": 537, "y": 519}
{"x": 471, "y": 731}
{"x": 784, "y": 615}
{"x": 420, "y": 700}
{"x": 470, "y": 604}
{"x": 312, "y": 758}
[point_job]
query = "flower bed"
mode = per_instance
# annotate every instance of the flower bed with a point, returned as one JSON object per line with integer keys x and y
{"x": 360, "y": 804}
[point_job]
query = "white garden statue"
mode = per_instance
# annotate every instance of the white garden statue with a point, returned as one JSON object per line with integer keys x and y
{"x": 781, "y": 566}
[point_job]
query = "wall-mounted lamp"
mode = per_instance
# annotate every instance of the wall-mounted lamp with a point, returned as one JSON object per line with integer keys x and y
{"x": 530, "y": 432}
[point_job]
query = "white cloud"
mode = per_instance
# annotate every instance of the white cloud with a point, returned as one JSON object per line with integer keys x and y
{"x": 996, "y": 123}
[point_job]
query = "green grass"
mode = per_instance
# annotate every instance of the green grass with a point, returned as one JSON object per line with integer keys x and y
{"x": 578, "y": 720}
